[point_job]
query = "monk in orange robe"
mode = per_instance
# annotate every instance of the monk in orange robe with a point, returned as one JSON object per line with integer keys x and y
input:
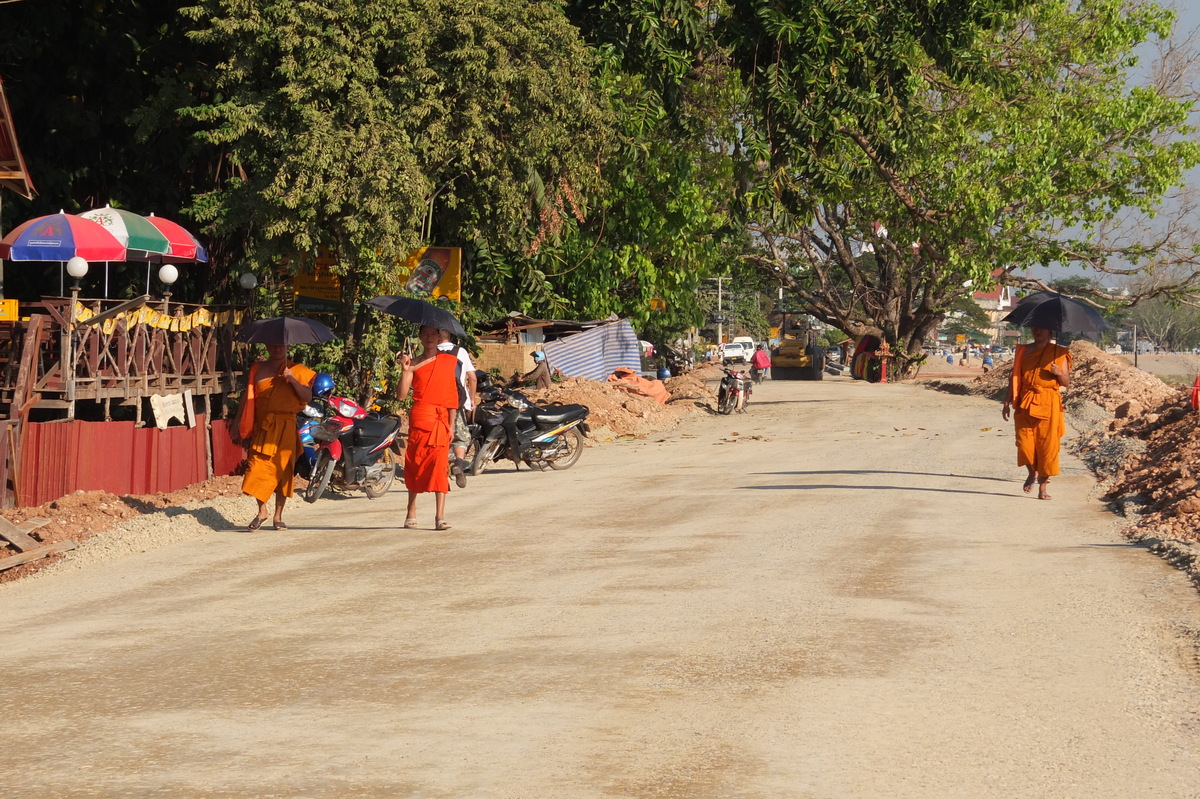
{"x": 276, "y": 390}
{"x": 434, "y": 382}
{"x": 1039, "y": 370}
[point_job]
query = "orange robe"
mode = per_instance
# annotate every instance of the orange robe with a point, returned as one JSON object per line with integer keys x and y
{"x": 435, "y": 394}
{"x": 271, "y": 461}
{"x": 1037, "y": 407}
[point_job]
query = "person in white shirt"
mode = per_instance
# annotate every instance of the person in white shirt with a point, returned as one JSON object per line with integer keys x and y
{"x": 467, "y": 392}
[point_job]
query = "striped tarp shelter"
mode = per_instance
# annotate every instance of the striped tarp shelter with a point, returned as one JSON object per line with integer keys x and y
{"x": 594, "y": 354}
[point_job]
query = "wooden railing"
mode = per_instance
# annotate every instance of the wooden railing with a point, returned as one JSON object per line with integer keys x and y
{"x": 118, "y": 350}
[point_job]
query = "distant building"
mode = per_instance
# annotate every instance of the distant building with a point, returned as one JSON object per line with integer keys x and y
{"x": 995, "y": 302}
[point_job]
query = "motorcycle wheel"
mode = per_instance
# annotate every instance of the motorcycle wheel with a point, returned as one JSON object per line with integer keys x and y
{"x": 378, "y": 487}
{"x": 727, "y": 403}
{"x": 572, "y": 441}
{"x": 484, "y": 455}
{"x": 321, "y": 472}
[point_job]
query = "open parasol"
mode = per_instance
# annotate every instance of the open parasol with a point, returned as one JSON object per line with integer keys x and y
{"x": 1052, "y": 310}
{"x": 419, "y": 312}
{"x": 286, "y": 330}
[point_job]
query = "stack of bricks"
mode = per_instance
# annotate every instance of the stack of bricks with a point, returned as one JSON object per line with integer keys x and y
{"x": 508, "y": 358}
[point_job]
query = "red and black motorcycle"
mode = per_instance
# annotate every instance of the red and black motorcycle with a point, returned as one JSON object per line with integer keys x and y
{"x": 353, "y": 447}
{"x": 734, "y": 392}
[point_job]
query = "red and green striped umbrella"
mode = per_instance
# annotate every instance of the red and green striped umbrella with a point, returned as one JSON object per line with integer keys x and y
{"x": 142, "y": 240}
{"x": 184, "y": 246}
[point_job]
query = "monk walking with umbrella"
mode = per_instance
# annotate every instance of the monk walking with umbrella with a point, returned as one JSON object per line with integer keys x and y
{"x": 1040, "y": 370}
{"x": 276, "y": 390}
{"x": 433, "y": 378}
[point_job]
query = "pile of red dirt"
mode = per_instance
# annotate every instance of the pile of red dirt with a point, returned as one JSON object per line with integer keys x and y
{"x": 617, "y": 413}
{"x": 1145, "y": 439}
{"x": 1096, "y": 376}
{"x": 79, "y": 516}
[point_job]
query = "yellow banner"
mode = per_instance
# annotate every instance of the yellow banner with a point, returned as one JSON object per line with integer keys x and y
{"x": 145, "y": 315}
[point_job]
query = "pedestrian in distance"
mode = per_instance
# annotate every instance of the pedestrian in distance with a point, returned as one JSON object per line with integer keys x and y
{"x": 760, "y": 362}
{"x": 540, "y": 374}
{"x": 1040, "y": 370}
{"x": 432, "y": 377}
{"x": 468, "y": 390}
{"x": 988, "y": 362}
{"x": 276, "y": 390}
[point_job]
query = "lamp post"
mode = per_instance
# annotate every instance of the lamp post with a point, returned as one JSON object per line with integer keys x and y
{"x": 77, "y": 268}
{"x": 249, "y": 282}
{"x": 168, "y": 274}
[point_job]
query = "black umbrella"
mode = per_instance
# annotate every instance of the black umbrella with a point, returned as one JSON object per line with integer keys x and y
{"x": 1054, "y": 311}
{"x": 285, "y": 330}
{"x": 418, "y": 312}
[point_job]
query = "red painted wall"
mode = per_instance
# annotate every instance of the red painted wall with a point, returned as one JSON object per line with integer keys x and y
{"x": 58, "y": 458}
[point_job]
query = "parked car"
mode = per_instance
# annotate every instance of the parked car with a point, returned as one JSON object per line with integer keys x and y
{"x": 735, "y": 352}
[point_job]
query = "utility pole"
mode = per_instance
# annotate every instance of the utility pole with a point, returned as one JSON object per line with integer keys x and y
{"x": 720, "y": 317}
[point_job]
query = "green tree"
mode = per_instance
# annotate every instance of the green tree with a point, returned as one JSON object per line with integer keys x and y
{"x": 350, "y": 124}
{"x": 1012, "y": 143}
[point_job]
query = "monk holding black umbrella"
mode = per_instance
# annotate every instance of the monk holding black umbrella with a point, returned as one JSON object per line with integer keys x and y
{"x": 1040, "y": 370}
{"x": 276, "y": 390}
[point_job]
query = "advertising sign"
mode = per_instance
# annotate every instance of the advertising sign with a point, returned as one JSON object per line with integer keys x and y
{"x": 436, "y": 271}
{"x": 318, "y": 290}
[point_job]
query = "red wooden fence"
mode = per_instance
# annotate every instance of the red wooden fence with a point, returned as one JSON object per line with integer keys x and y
{"x": 58, "y": 458}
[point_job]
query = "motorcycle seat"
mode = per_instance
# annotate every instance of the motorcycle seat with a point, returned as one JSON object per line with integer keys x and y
{"x": 559, "y": 414}
{"x": 374, "y": 428}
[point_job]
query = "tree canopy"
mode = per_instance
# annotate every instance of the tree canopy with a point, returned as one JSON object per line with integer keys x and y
{"x": 599, "y": 157}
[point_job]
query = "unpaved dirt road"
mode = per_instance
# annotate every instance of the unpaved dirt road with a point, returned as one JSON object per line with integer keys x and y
{"x": 850, "y": 597}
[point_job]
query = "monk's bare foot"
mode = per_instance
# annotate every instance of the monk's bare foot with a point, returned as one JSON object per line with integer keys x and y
{"x": 1042, "y": 492}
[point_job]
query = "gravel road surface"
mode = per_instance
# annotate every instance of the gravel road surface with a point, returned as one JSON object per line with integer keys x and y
{"x": 841, "y": 593}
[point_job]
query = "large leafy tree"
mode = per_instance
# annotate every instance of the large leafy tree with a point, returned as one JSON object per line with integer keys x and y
{"x": 1011, "y": 142}
{"x": 663, "y": 223}
{"x": 350, "y": 124}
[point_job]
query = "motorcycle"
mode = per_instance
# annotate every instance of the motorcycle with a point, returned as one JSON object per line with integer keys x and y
{"x": 756, "y": 374}
{"x": 508, "y": 425}
{"x": 734, "y": 392}
{"x": 350, "y": 447}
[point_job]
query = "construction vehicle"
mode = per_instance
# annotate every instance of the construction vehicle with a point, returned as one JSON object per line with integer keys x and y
{"x": 798, "y": 356}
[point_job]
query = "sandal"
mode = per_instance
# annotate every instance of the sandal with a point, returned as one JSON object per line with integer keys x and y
{"x": 1042, "y": 491}
{"x": 256, "y": 523}
{"x": 410, "y": 522}
{"x": 280, "y": 525}
{"x": 442, "y": 524}
{"x": 1028, "y": 486}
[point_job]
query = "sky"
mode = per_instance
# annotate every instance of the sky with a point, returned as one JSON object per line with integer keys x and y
{"x": 1188, "y": 19}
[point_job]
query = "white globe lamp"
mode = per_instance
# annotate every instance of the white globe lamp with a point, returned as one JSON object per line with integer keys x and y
{"x": 77, "y": 267}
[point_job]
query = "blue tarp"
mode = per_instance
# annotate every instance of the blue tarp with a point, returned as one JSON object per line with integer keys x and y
{"x": 594, "y": 354}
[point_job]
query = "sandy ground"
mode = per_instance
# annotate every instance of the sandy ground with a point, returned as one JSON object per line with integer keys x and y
{"x": 841, "y": 593}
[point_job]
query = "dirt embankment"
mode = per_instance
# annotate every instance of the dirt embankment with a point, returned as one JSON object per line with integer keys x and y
{"x": 616, "y": 412}
{"x": 1141, "y": 438}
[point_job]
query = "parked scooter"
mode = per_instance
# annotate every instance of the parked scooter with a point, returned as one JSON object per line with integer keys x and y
{"x": 734, "y": 392}
{"x": 351, "y": 447}
{"x": 508, "y": 425}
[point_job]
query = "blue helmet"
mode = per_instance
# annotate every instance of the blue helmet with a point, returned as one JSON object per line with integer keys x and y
{"x": 538, "y": 356}
{"x": 322, "y": 385}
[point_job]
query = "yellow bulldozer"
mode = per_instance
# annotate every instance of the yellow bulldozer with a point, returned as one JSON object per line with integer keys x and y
{"x": 798, "y": 356}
